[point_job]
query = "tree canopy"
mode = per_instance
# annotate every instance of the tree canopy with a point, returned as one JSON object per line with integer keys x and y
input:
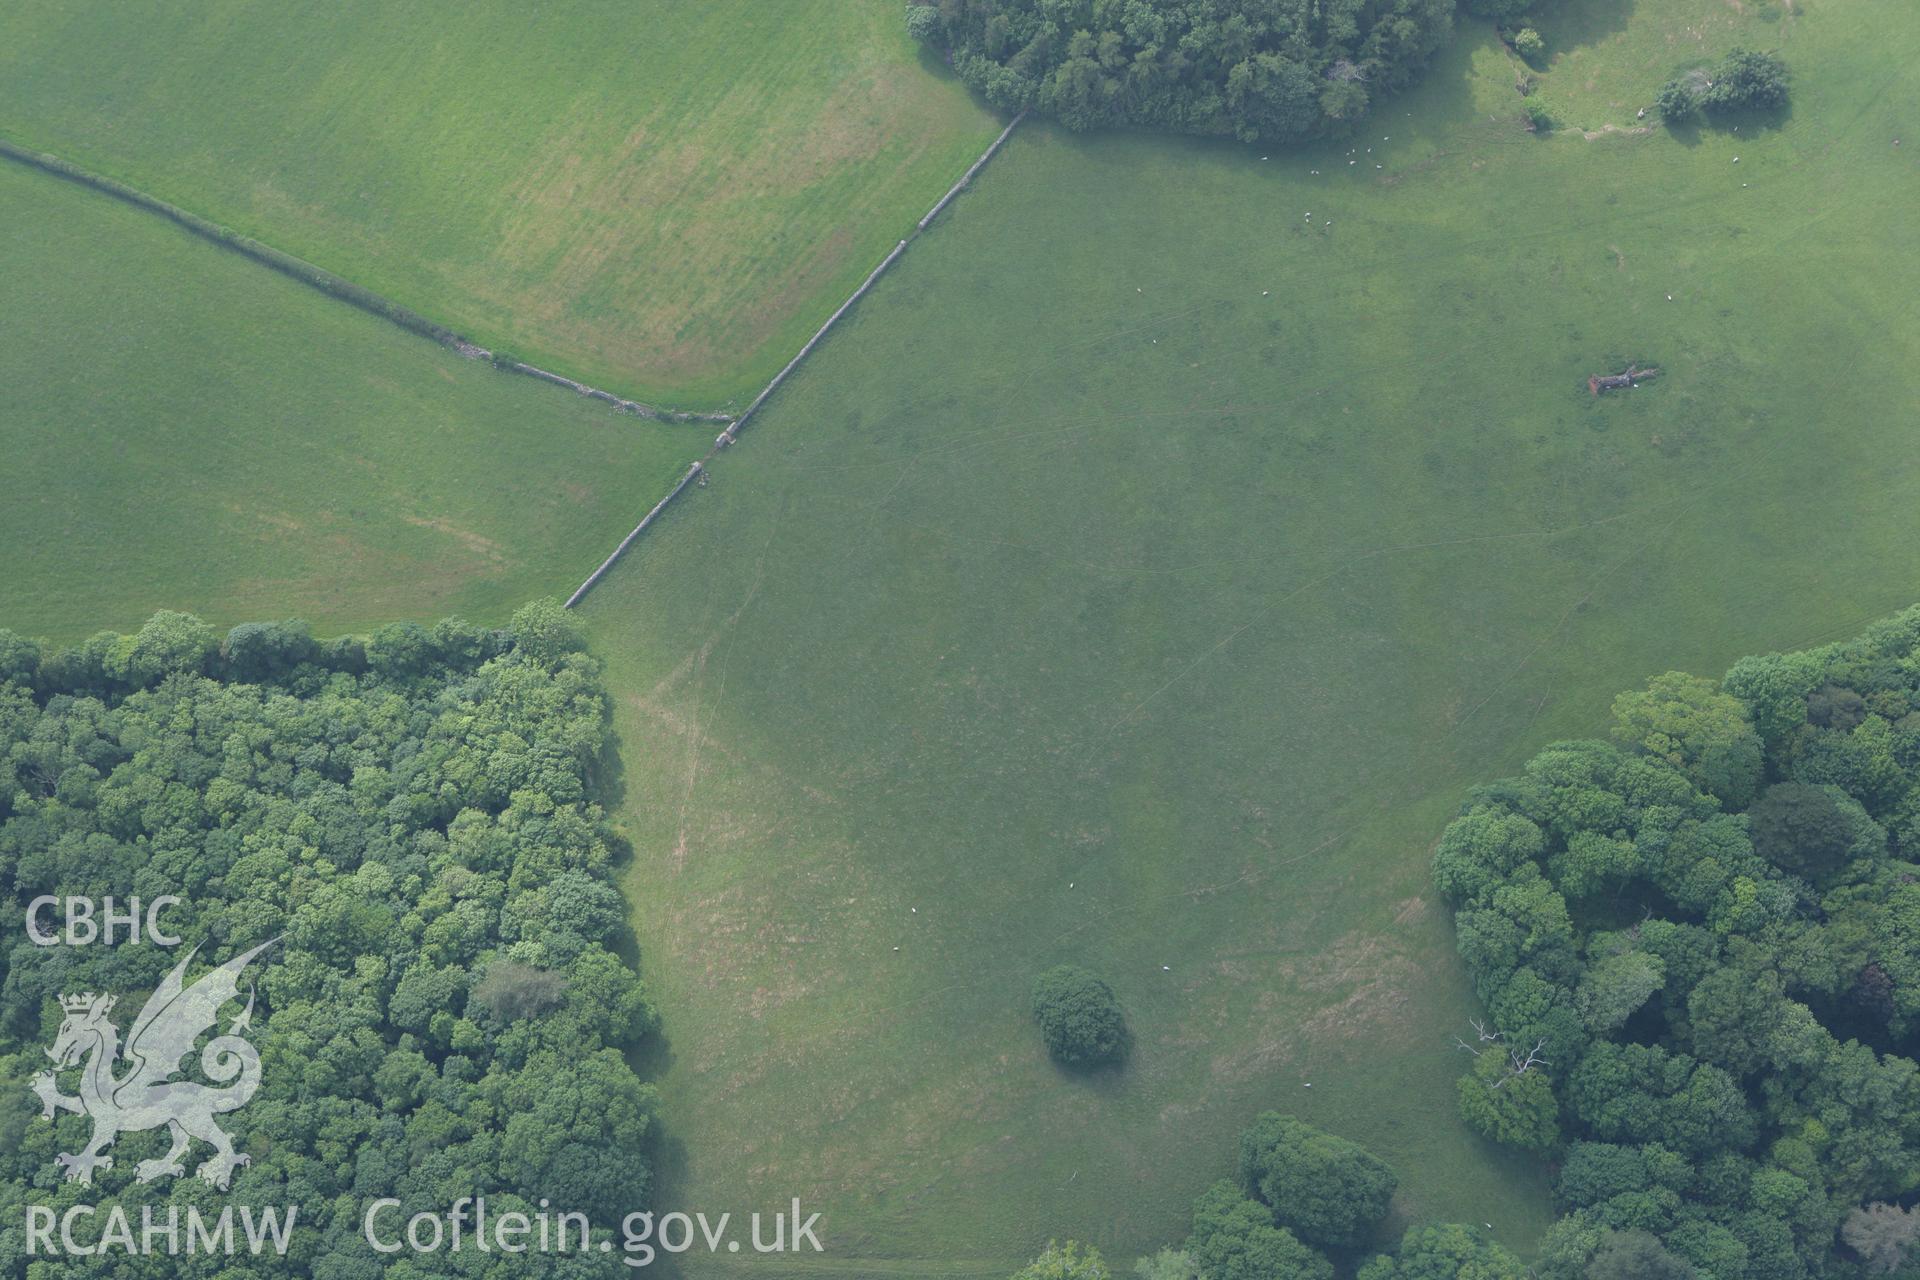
{"x": 1743, "y": 80}
{"x": 1235, "y": 1238}
{"x": 1692, "y": 725}
{"x": 1080, "y": 1018}
{"x": 414, "y": 816}
{"x": 1703, "y": 980}
{"x": 1299, "y": 1183}
{"x": 1259, "y": 70}
{"x": 1445, "y": 1251}
{"x": 1324, "y": 1188}
{"x": 1069, "y": 1261}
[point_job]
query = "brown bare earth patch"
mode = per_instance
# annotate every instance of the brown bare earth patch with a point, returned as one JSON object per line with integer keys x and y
{"x": 1373, "y": 1013}
{"x": 1371, "y": 980}
{"x": 1258, "y": 1059}
{"x": 278, "y": 521}
{"x": 474, "y": 542}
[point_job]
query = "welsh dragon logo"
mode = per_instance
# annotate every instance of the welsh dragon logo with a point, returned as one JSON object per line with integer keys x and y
{"x": 147, "y": 1095}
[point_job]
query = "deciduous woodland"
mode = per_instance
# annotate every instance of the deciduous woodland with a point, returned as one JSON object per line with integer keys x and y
{"x": 1699, "y": 946}
{"x": 1025, "y": 750}
{"x": 1698, "y": 943}
{"x": 414, "y": 817}
{"x": 1261, "y": 72}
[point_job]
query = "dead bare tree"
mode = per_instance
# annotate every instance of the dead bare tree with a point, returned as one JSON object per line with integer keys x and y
{"x": 1480, "y": 1029}
{"x": 1517, "y": 1064}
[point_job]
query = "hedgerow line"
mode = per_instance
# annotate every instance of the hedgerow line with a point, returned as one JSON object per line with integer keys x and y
{"x": 327, "y": 282}
{"x": 413, "y": 322}
{"x": 731, "y": 434}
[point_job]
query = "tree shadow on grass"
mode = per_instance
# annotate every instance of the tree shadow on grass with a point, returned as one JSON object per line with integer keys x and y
{"x": 1749, "y": 121}
{"x": 667, "y": 1157}
{"x": 667, "y": 1154}
{"x": 609, "y": 776}
{"x": 1107, "y": 1076}
{"x": 653, "y": 1057}
{"x": 1108, "y": 1079}
{"x": 1569, "y": 25}
{"x": 608, "y": 786}
{"x": 938, "y": 63}
{"x": 1688, "y": 133}
{"x": 1746, "y": 123}
{"x": 1444, "y": 92}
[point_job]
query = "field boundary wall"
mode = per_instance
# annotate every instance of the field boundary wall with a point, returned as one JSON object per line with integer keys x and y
{"x": 731, "y": 434}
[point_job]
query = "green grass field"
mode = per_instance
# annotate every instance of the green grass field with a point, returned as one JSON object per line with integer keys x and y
{"x": 1138, "y": 580}
{"x": 1605, "y": 61}
{"x": 183, "y": 428}
{"x": 1145, "y": 573}
{"x": 660, "y": 198}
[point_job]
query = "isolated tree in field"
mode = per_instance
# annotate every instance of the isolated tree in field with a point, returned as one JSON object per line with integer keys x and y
{"x": 1325, "y": 1188}
{"x": 1746, "y": 81}
{"x": 1445, "y": 1251}
{"x": 1234, "y": 1238}
{"x": 1676, "y": 101}
{"x": 1080, "y": 1019}
{"x": 1528, "y": 43}
{"x": 1884, "y": 1235}
{"x": 1069, "y": 1261}
{"x": 1692, "y": 725}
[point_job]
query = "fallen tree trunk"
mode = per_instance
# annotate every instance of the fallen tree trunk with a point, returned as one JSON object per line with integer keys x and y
{"x": 1616, "y": 381}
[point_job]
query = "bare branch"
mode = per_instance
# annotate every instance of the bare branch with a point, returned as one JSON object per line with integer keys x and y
{"x": 1520, "y": 1066}
{"x": 1480, "y": 1030}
